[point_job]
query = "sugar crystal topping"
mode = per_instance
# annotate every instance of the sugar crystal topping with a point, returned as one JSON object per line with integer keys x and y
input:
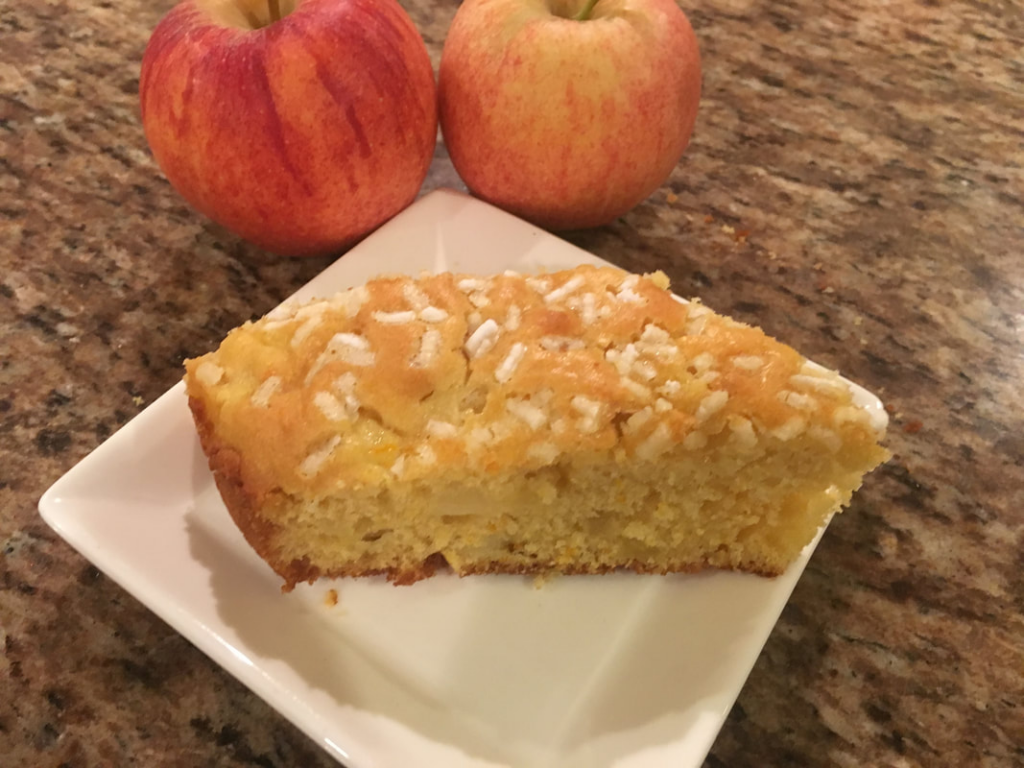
{"x": 426, "y": 454}
{"x": 430, "y": 348}
{"x": 306, "y": 329}
{"x": 282, "y": 312}
{"x": 657, "y": 342}
{"x": 711, "y": 405}
{"x": 545, "y": 452}
{"x": 261, "y": 397}
{"x": 514, "y": 318}
{"x": 659, "y": 441}
{"x": 508, "y": 366}
{"x": 349, "y": 348}
{"x": 482, "y": 339}
{"x": 703, "y": 362}
{"x": 394, "y": 318}
{"x": 645, "y": 370}
{"x": 526, "y": 411}
{"x": 823, "y": 384}
{"x": 635, "y": 387}
{"x": 471, "y": 284}
{"x": 316, "y": 309}
{"x": 627, "y": 290}
{"x": 346, "y": 383}
{"x": 846, "y": 414}
{"x": 797, "y": 400}
{"x": 748, "y": 362}
{"x": 588, "y": 314}
{"x": 415, "y": 296}
{"x": 792, "y": 428}
{"x": 443, "y": 429}
{"x": 563, "y": 290}
{"x": 635, "y": 422}
{"x": 329, "y": 406}
{"x": 539, "y": 284}
{"x": 352, "y": 300}
{"x": 431, "y": 314}
{"x": 655, "y": 334}
{"x": 743, "y": 431}
{"x": 345, "y": 387}
{"x": 670, "y": 388}
{"x": 586, "y": 407}
{"x": 398, "y": 467}
{"x": 209, "y": 373}
{"x": 695, "y": 327}
{"x": 479, "y": 437}
{"x": 479, "y": 299}
{"x": 314, "y": 462}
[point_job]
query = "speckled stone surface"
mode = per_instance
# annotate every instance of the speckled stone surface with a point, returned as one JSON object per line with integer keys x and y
{"x": 855, "y": 186}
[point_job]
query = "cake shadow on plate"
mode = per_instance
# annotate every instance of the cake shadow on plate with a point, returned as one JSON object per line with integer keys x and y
{"x": 582, "y": 671}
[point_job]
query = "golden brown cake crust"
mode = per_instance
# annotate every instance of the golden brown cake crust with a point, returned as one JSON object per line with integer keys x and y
{"x": 318, "y": 409}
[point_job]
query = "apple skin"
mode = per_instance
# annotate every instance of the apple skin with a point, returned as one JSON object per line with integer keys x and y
{"x": 300, "y": 136}
{"x": 568, "y": 123}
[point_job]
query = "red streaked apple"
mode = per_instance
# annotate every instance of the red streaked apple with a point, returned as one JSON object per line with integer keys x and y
{"x": 300, "y": 125}
{"x": 568, "y": 112}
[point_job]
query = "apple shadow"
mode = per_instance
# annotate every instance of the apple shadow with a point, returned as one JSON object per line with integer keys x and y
{"x": 581, "y": 672}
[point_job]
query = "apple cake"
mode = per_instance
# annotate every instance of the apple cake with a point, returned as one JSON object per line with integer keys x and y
{"x": 573, "y": 422}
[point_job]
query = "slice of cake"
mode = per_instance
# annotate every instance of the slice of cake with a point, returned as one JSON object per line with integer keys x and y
{"x": 573, "y": 422}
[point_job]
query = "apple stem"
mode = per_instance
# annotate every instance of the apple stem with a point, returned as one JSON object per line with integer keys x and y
{"x": 275, "y": 10}
{"x": 250, "y": 17}
{"x": 584, "y": 14}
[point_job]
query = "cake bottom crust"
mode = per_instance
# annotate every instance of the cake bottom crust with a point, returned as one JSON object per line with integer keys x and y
{"x": 299, "y": 571}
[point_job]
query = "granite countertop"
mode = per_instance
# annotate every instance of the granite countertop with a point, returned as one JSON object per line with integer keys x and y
{"x": 855, "y": 186}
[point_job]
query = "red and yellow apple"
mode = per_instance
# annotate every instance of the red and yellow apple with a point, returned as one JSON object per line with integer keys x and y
{"x": 568, "y": 112}
{"x": 300, "y": 125}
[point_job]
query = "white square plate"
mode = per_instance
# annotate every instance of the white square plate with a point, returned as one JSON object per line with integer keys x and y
{"x": 585, "y": 672}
